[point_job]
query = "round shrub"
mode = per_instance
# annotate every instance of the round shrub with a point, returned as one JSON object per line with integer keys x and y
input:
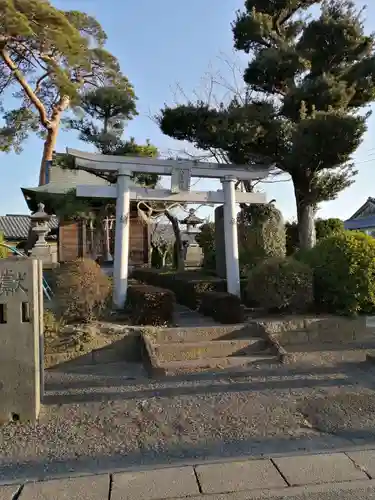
{"x": 344, "y": 272}
{"x": 281, "y": 284}
{"x": 82, "y": 290}
{"x": 261, "y": 235}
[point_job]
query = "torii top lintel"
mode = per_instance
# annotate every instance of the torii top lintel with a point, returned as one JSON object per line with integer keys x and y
{"x": 124, "y": 164}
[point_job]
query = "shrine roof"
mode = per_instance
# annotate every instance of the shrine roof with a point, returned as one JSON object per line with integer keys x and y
{"x": 16, "y": 227}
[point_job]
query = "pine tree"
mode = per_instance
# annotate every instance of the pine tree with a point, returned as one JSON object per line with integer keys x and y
{"x": 48, "y": 57}
{"x": 105, "y": 112}
{"x": 309, "y": 82}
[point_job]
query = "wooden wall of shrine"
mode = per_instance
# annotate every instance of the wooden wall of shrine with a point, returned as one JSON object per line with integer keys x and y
{"x": 74, "y": 241}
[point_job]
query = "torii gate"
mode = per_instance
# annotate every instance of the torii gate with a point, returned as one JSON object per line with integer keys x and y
{"x": 181, "y": 172}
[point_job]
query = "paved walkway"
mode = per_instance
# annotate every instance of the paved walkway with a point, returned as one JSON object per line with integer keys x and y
{"x": 325, "y": 476}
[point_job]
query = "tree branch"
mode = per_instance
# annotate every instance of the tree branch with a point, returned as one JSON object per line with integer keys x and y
{"x": 26, "y": 87}
{"x": 39, "y": 81}
{"x": 59, "y": 108}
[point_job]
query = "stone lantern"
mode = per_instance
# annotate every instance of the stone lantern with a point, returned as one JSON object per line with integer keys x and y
{"x": 191, "y": 221}
{"x": 192, "y": 251}
{"x": 39, "y": 226}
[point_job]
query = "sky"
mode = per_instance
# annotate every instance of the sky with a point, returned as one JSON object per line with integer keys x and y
{"x": 165, "y": 46}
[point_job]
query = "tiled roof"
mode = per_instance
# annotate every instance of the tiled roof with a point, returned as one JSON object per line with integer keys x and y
{"x": 362, "y": 208}
{"x": 362, "y": 223}
{"x": 16, "y": 227}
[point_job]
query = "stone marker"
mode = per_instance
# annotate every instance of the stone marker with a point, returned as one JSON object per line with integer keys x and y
{"x": 155, "y": 484}
{"x": 20, "y": 282}
{"x": 239, "y": 476}
{"x": 221, "y": 269}
{"x": 318, "y": 469}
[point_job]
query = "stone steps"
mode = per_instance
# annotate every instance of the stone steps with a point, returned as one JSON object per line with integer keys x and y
{"x": 206, "y": 349}
{"x": 205, "y": 333}
{"x": 225, "y": 365}
{"x": 183, "y": 351}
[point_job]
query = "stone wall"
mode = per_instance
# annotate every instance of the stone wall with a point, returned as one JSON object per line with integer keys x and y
{"x": 321, "y": 330}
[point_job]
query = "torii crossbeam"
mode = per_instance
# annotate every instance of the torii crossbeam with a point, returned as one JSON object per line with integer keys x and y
{"x": 125, "y": 167}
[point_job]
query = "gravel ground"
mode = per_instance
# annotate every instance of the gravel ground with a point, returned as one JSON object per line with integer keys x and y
{"x": 98, "y": 420}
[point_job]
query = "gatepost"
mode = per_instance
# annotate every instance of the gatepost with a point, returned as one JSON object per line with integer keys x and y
{"x": 20, "y": 333}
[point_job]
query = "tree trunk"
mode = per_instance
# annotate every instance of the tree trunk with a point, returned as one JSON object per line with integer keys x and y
{"x": 49, "y": 148}
{"x": 52, "y": 131}
{"x": 179, "y": 246}
{"x": 306, "y": 222}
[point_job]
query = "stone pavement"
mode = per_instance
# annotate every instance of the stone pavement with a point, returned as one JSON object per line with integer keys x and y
{"x": 330, "y": 476}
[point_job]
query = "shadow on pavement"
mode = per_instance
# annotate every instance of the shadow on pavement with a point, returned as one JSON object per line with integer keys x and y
{"x": 124, "y": 389}
{"x": 181, "y": 455}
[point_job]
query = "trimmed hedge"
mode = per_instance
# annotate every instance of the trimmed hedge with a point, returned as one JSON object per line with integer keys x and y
{"x": 222, "y": 306}
{"x": 282, "y": 284}
{"x": 149, "y": 305}
{"x": 188, "y": 287}
{"x": 344, "y": 273}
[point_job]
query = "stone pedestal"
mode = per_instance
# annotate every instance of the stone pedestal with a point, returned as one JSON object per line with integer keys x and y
{"x": 46, "y": 255}
{"x": 194, "y": 256}
{"x": 220, "y": 242}
{"x": 21, "y": 323}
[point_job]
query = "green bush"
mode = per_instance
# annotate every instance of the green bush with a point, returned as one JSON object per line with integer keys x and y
{"x": 323, "y": 227}
{"x": 344, "y": 272}
{"x": 187, "y": 286}
{"x": 82, "y": 290}
{"x": 190, "y": 292}
{"x": 261, "y": 233}
{"x": 328, "y": 227}
{"x": 206, "y": 240}
{"x": 209, "y": 260}
{"x": 149, "y": 305}
{"x": 3, "y": 250}
{"x": 282, "y": 284}
{"x": 222, "y": 306}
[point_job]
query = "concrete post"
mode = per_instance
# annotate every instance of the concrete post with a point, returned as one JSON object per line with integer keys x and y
{"x": 41, "y": 328}
{"x": 121, "y": 263}
{"x": 20, "y": 324}
{"x": 231, "y": 237}
{"x": 220, "y": 243}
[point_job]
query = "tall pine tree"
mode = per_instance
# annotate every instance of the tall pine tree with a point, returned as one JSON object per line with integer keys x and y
{"x": 309, "y": 81}
{"x": 48, "y": 58}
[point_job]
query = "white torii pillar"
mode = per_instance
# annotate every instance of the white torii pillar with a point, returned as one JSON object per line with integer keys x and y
{"x": 121, "y": 263}
{"x": 231, "y": 236}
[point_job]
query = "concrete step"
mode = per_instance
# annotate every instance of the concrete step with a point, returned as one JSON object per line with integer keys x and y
{"x": 204, "y": 333}
{"x": 231, "y": 365}
{"x": 331, "y": 346}
{"x": 178, "y": 351}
